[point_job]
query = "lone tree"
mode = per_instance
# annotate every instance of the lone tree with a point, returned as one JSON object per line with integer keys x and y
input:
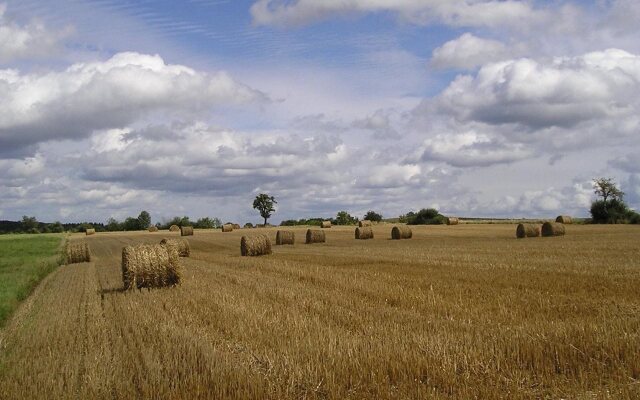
{"x": 606, "y": 188}
{"x": 265, "y": 204}
{"x": 144, "y": 220}
{"x": 373, "y": 216}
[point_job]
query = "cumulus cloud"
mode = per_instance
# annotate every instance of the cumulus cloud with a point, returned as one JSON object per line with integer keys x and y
{"x": 27, "y": 41}
{"x": 455, "y": 12}
{"x": 468, "y": 51}
{"x": 105, "y": 95}
{"x": 380, "y": 124}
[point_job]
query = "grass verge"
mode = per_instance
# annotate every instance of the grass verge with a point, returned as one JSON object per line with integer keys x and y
{"x": 24, "y": 261}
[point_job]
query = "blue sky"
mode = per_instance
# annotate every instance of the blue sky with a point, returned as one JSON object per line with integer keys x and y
{"x": 476, "y": 107}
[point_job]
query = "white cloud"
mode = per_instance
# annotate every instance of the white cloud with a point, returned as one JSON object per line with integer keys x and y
{"x": 107, "y": 95}
{"x": 29, "y": 41}
{"x": 468, "y": 51}
{"x": 454, "y": 12}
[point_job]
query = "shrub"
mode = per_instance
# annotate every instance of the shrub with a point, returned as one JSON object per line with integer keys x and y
{"x": 426, "y": 216}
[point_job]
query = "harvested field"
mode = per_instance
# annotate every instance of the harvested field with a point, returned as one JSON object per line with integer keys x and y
{"x": 459, "y": 312}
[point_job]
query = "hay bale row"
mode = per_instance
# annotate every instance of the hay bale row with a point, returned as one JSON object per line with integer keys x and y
{"x": 285, "y": 237}
{"x": 363, "y": 233}
{"x": 153, "y": 229}
{"x": 452, "y": 221}
{"x": 552, "y": 229}
{"x": 564, "y": 219}
{"x": 255, "y": 245}
{"x": 401, "y": 232}
{"x": 90, "y": 231}
{"x": 326, "y": 224}
{"x": 315, "y": 236}
{"x": 77, "y": 252}
{"x": 527, "y": 230}
{"x": 364, "y": 223}
{"x": 186, "y": 231}
{"x": 227, "y": 228}
{"x": 150, "y": 266}
{"x": 180, "y": 245}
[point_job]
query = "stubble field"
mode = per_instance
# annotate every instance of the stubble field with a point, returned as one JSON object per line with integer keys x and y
{"x": 456, "y": 312}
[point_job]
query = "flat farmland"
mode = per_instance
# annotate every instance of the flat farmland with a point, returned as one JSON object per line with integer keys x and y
{"x": 462, "y": 312}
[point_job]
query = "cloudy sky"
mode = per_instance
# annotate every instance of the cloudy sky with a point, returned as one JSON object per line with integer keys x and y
{"x": 476, "y": 107}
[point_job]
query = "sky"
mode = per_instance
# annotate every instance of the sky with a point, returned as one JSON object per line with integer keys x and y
{"x": 480, "y": 108}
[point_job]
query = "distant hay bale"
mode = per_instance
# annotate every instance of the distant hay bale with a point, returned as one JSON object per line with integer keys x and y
{"x": 227, "y": 228}
{"x": 452, "y": 221}
{"x": 364, "y": 223}
{"x": 149, "y": 266}
{"x": 285, "y": 237}
{"x": 78, "y": 252}
{"x": 401, "y": 232}
{"x": 552, "y": 229}
{"x": 315, "y": 236}
{"x": 326, "y": 224}
{"x": 153, "y": 229}
{"x": 527, "y": 230}
{"x": 90, "y": 231}
{"x": 180, "y": 245}
{"x": 236, "y": 226}
{"x": 174, "y": 228}
{"x": 255, "y": 245}
{"x": 564, "y": 219}
{"x": 186, "y": 231}
{"x": 363, "y": 233}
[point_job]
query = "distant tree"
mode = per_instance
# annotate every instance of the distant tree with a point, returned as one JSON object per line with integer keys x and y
{"x": 29, "y": 224}
{"x": 373, "y": 216}
{"x": 56, "y": 227}
{"x": 607, "y": 188}
{"x": 144, "y": 220}
{"x": 84, "y": 226}
{"x": 344, "y": 218}
{"x": 131, "y": 224}
{"x": 113, "y": 225}
{"x": 207, "y": 223}
{"x": 426, "y": 216}
{"x": 265, "y": 204}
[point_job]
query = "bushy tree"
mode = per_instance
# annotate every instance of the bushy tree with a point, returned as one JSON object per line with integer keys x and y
{"x": 29, "y": 224}
{"x": 131, "y": 224}
{"x": 344, "y": 218}
{"x": 610, "y": 208}
{"x": 373, "y": 216}
{"x": 266, "y": 205}
{"x": 207, "y": 223}
{"x": 426, "y": 216}
{"x": 113, "y": 225}
{"x": 56, "y": 227}
{"x": 144, "y": 220}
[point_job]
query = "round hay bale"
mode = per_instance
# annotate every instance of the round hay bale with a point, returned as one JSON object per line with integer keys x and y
{"x": 236, "y": 226}
{"x": 401, "y": 232}
{"x": 153, "y": 229}
{"x": 364, "y": 223}
{"x": 363, "y": 233}
{"x": 552, "y": 229}
{"x": 285, "y": 237}
{"x": 227, "y": 228}
{"x": 527, "y": 230}
{"x": 326, "y": 224}
{"x": 315, "y": 236}
{"x": 255, "y": 245}
{"x": 452, "y": 221}
{"x": 149, "y": 266}
{"x": 90, "y": 231}
{"x": 174, "y": 228}
{"x": 186, "y": 231}
{"x": 77, "y": 252}
{"x": 180, "y": 245}
{"x": 564, "y": 219}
